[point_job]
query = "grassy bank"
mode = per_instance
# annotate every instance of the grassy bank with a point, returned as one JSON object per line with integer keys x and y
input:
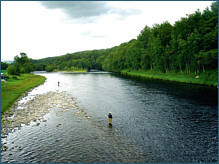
{"x": 4, "y": 71}
{"x": 208, "y": 78}
{"x": 79, "y": 71}
{"x": 16, "y": 86}
{"x": 75, "y": 70}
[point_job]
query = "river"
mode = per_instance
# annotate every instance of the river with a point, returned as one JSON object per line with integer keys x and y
{"x": 153, "y": 121}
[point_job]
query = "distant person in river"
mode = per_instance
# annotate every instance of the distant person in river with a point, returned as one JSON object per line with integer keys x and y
{"x": 58, "y": 83}
{"x": 110, "y": 118}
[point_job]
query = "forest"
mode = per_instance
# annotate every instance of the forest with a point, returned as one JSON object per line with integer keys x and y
{"x": 190, "y": 45}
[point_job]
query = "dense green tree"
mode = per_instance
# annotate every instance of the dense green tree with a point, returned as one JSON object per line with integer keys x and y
{"x": 23, "y": 64}
{"x": 11, "y": 70}
{"x": 49, "y": 68}
{"x": 4, "y": 66}
{"x": 190, "y": 45}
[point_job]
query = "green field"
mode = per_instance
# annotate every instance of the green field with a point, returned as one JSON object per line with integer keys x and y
{"x": 16, "y": 86}
{"x": 208, "y": 78}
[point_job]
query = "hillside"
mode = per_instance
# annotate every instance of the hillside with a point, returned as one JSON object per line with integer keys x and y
{"x": 190, "y": 45}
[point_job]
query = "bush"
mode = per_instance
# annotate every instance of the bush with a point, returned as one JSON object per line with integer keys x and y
{"x": 49, "y": 68}
{"x": 22, "y": 70}
{"x": 12, "y": 70}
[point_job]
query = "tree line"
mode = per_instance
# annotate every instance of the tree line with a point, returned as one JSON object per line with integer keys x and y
{"x": 190, "y": 45}
{"x": 22, "y": 64}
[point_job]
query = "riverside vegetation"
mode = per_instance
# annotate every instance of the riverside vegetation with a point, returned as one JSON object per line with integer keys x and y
{"x": 186, "y": 51}
{"x": 209, "y": 77}
{"x": 178, "y": 52}
{"x": 15, "y": 87}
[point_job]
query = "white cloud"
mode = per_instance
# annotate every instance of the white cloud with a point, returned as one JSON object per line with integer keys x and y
{"x": 30, "y": 27}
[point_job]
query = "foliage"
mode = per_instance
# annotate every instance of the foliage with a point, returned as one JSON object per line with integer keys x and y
{"x": 23, "y": 64}
{"x": 49, "y": 68}
{"x": 12, "y": 70}
{"x": 4, "y": 66}
{"x": 190, "y": 45}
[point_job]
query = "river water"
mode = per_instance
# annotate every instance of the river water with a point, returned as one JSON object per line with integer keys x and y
{"x": 153, "y": 121}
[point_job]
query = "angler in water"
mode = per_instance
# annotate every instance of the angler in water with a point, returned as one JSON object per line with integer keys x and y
{"x": 110, "y": 118}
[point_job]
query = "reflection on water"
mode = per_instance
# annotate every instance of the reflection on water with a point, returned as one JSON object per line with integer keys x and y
{"x": 153, "y": 121}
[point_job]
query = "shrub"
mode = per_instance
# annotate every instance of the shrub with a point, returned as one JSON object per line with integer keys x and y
{"x": 12, "y": 70}
{"x": 49, "y": 68}
{"x": 22, "y": 70}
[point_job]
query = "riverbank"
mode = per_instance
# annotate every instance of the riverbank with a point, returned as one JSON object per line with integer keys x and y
{"x": 209, "y": 78}
{"x": 15, "y": 87}
{"x": 23, "y": 111}
{"x": 82, "y": 71}
{"x": 70, "y": 71}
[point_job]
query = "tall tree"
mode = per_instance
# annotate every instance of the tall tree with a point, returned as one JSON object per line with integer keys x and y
{"x": 23, "y": 64}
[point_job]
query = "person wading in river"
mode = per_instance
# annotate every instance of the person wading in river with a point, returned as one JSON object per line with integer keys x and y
{"x": 110, "y": 118}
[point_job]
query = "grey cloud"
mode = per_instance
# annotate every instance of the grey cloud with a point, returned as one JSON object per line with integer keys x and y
{"x": 87, "y": 9}
{"x": 80, "y": 9}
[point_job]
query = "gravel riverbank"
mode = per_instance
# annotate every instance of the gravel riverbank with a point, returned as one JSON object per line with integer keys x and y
{"x": 23, "y": 112}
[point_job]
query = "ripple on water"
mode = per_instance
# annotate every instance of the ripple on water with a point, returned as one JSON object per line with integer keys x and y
{"x": 154, "y": 122}
{"x": 87, "y": 141}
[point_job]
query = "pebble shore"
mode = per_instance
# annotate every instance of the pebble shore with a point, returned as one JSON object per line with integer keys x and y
{"x": 34, "y": 109}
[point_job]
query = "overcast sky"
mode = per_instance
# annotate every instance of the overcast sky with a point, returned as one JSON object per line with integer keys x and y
{"x": 54, "y": 28}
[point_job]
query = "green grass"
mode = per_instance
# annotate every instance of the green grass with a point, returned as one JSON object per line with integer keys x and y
{"x": 4, "y": 71}
{"x": 208, "y": 78}
{"x": 16, "y": 86}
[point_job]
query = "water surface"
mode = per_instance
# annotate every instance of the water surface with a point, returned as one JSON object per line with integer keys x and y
{"x": 153, "y": 121}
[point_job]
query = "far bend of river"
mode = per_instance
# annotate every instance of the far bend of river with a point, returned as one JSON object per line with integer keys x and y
{"x": 153, "y": 121}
